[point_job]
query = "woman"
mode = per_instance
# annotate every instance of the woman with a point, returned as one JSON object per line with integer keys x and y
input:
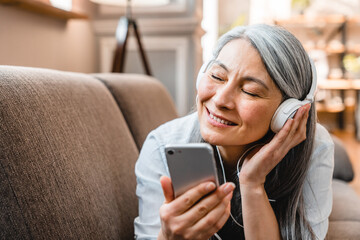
{"x": 285, "y": 182}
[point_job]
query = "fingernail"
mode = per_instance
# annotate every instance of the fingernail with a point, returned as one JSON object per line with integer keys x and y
{"x": 305, "y": 109}
{"x": 229, "y": 187}
{"x": 210, "y": 186}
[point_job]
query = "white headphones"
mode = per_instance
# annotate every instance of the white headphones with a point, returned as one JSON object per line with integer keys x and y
{"x": 288, "y": 108}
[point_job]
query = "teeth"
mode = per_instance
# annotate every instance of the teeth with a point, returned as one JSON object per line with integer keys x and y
{"x": 220, "y": 120}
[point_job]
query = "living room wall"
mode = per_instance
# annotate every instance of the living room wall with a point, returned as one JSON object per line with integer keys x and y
{"x": 34, "y": 40}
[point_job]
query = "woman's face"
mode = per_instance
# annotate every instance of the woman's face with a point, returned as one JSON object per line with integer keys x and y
{"x": 236, "y": 97}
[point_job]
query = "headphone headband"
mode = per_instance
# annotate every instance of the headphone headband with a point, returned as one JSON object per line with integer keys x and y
{"x": 201, "y": 73}
{"x": 311, "y": 95}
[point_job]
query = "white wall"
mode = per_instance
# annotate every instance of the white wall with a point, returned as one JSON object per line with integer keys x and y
{"x": 30, "y": 39}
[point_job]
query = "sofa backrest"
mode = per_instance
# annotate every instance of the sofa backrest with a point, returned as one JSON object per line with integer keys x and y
{"x": 143, "y": 100}
{"x": 66, "y": 158}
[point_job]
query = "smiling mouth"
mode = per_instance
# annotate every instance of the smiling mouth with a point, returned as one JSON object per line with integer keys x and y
{"x": 219, "y": 120}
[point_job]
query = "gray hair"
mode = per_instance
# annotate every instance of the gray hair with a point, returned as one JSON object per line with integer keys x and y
{"x": 289, "y": 66}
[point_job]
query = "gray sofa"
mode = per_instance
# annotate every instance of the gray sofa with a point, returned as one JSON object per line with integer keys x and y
{"x": 68, "y": 145}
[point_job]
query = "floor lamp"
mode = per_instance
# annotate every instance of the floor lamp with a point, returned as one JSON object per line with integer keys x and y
{"x": 122, "y": 34}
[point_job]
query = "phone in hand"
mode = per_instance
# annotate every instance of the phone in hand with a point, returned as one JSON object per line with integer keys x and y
{"x": 189, "y": 165}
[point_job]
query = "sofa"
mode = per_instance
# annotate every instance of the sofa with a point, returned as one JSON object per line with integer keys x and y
{"x": 68, "y": 146}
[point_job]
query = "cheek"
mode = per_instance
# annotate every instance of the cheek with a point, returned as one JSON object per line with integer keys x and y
{"x": 256, "y": 115}
{"x": 206, "y": 90}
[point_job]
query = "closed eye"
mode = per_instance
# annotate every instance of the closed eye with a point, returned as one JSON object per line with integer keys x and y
{"x": 216, "y": 78}
{"x": 249, "y": 93}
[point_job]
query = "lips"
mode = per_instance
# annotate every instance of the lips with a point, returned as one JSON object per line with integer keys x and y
{"x": 220, "y": 119}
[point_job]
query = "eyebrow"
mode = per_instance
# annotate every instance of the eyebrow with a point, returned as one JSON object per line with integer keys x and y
{"x": 247, "y": 78}
{"x": 220, "y": 64}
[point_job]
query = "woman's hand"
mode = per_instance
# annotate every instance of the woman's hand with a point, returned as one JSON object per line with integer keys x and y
{"x": 263, "y": 159}
{"x": 197, "y": 214}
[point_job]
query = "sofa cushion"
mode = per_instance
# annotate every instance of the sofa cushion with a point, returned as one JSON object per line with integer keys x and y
{"x": 346, "y": 203}
{"x": 135, "y": 95}
{"x": 344, "y": 230}
{"x": 66, "y": 158}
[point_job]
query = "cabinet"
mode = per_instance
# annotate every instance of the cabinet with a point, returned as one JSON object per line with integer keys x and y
{"x": 334, "y": 44}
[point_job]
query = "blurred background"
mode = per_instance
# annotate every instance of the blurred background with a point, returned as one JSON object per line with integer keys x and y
{"x": 178, "y": 35}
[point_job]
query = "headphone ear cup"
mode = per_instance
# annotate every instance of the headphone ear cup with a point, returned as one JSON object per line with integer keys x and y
{"x": 285, "y": 111}
{"x": 201, "y": 74}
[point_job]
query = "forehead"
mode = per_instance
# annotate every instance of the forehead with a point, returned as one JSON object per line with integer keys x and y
{"x": 243, "y": 60}
{"x": 240, "y": 56}
{"x": 240, "y": 50}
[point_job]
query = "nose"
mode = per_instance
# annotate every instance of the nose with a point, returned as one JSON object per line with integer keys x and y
{"x": 225, "y": 97}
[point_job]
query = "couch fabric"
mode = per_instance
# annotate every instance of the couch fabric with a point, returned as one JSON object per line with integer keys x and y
{"x": 145, "y": 104}
{"x": 345, "y": 216}
{"x": 342, "y": 166}
{"x": 68, "y": 146}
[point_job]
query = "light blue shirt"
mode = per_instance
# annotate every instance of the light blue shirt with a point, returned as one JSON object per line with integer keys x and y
{"x": 151, "y": 165}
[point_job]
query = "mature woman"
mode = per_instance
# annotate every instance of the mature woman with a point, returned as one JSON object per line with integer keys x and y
{"x": 283, "y": 188}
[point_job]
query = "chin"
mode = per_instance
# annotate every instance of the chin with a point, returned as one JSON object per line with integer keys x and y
{"x": 217, "y": 139}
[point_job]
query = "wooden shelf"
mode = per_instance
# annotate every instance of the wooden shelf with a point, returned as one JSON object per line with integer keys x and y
{"x": 312, "y": 21}
{"x": 43, "y": 7}
{"x": 336, "y": 49}
{"x": 340, "y": 84}
{"x": 318, "y": 21}
{"x": 330, "y": 49}
{"x": 320, "y": 107}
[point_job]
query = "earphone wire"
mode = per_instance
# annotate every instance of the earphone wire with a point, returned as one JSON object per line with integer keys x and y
{"x": 224, "y": 176}
{"x": 241, "y": 160}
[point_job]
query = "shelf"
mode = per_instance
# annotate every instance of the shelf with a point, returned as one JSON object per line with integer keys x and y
{"x": 329, "y": 49}
{"x": 312, "y": 21}
{"x": 320, "y": 107}
{"x": 318, "y": 20}
{"x": 43, "y": 7}
{"x": 340, "y": 84}
{"x": 334, "y": 49}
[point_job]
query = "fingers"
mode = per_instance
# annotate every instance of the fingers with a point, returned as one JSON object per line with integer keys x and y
{"x": 209, "y": 203}
{"x": 214, "y": 221}
{"x": 302, "y": 115}
{"x": 298, "y": 130}
{"x": 305, "y": 116}
{"x": 168, "y": 191}
{"x": 294, "y": 130}
{"x": 185, "y": 201}
{"x": 177, "y": 221}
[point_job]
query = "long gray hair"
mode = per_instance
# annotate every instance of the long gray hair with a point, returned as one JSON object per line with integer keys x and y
{"x": 289, "y": 67}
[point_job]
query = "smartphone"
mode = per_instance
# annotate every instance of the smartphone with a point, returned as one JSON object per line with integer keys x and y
{"x": 189, "y": 165}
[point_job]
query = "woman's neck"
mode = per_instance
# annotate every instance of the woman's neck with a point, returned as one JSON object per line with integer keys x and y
{"x": 231, "y": 154}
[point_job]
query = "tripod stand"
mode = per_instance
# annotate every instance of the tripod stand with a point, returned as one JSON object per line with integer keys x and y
{"x": 122, "y": 34}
